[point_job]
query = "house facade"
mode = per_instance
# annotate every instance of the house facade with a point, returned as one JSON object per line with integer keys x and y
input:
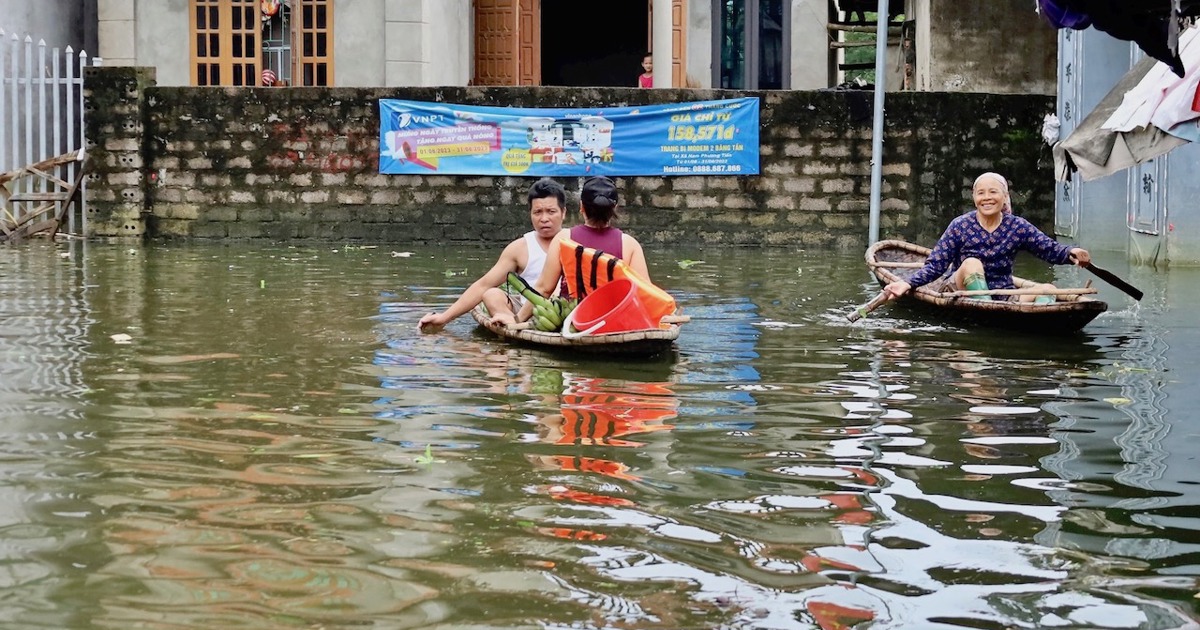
{"x": 738, "y": 44}
{"x": 1147, "y": 211}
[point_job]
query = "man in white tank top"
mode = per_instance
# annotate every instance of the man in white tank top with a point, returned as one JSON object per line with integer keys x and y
{"x": 525, "y": 256}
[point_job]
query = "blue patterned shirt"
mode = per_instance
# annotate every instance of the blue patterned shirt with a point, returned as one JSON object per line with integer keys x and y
{"x": 965, "y": 238}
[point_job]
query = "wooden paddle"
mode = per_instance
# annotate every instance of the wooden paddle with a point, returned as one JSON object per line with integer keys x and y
{"x": 1112, "y": 279}
{"x": 862, "y": 311}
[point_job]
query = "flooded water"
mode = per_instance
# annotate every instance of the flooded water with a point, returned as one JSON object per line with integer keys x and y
{"x": 245, "y": 436}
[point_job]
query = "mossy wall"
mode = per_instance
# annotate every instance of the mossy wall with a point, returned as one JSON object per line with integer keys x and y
{"x": 302, "y": 163}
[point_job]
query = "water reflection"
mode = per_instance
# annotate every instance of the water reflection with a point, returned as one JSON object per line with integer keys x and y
{"x": 276, "y": 446}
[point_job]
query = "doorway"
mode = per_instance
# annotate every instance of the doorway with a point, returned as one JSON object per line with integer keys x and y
{"x": 603, "y": 48}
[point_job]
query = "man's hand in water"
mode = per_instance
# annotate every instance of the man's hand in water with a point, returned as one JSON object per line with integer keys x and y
{"x": 432, "y": 323}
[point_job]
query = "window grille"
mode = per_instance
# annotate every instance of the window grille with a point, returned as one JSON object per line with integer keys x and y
{"x": 241, "y": 43}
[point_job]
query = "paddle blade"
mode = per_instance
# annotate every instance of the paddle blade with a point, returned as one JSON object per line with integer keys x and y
{"x": 862, "y": 311}
{"x": 1112, "y": 279}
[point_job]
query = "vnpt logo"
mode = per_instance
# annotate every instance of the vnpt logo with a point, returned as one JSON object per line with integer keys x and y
{"x": 407, "y": 118}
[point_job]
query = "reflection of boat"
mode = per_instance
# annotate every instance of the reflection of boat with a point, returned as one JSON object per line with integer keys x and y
{"x": 637, "y": 343}
{"x": 892, "y": 260}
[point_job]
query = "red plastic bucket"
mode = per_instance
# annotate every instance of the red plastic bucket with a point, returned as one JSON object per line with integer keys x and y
{"x": 612, "y": 308}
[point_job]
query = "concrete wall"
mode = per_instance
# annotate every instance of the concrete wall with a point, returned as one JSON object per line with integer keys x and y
{"x": 60, "y": 23}
{"x": 359, "y": 53}
{"x": 699, "y": 44}
{"x": 1000, "y": 46}
{"x": 450, "y": 42}
{"x": 116, "y": 21}
{"x": 303, "y": 164}
{"x": 810, "y": 45}
{"x": 164, "y": 40}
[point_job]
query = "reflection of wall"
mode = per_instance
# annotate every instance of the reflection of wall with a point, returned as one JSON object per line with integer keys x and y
{"x": 43, "y": 344}
{"x": 1129, "y": 432}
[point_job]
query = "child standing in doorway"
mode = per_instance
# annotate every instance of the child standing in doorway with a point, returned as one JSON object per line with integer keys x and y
{"x": 646, "y": 79}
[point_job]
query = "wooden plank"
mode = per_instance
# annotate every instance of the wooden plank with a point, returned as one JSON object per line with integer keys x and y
{"x": 859, "y": 28}
{"x": 41, "y": 226}
{"x": 1029, "y": 291}
{"x": 35, "y": 221}
{"x": 897, "y": 265}
{"x": 72, "y": 193}
{"x": 47, "y": 176}
{"x": 46, "y": 196}
{"x": 59, "y": 160}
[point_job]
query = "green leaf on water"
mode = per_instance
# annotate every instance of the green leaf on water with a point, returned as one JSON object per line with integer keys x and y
{"x": 427, "y": 458}
{"x": 684, "y": 264}
{"x": 451, "y": 272}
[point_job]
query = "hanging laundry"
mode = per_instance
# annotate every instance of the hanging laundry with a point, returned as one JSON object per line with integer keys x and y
{"x": 1152, "y": 24}
{"x": 1162, "y": 99}
{"x": 1060, "y": 16}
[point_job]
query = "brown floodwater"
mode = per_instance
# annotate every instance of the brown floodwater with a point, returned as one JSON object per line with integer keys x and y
{"x": 201, "y": 435}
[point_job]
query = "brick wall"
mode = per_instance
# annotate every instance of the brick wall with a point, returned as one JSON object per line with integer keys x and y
{"x": 287, "y": 164}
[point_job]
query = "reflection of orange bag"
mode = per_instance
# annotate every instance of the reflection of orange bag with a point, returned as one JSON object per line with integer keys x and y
{"x": 832, "y": 616}
{"x": 600, "y": 467}
{"x": 585, "y": 269}
{"x": 593, "y": 414}
{"x": 595, "y": 426}
{"x": 270, "y": 7}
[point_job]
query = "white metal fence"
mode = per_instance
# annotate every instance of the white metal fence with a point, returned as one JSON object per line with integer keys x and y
{"x": 41, "y": 112}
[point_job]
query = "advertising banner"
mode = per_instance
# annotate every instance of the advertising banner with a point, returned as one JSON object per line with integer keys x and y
{"x": 695, "y": 138}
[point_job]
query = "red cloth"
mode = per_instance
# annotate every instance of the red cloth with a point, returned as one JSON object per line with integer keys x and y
{"x": 1196, "y": 99}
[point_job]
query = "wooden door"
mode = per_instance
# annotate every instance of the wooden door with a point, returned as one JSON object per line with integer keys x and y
{"x": 496, "y": 43}
{"x": 530, "y": 37}
{"x": 678, "y": 43}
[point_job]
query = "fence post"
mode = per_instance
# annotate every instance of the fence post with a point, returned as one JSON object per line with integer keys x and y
{"x": 83, "y": 208}
{"x": 3, "y": 115}
{"x": 16, "y": 129}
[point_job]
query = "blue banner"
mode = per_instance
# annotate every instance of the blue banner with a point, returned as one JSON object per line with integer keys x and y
{"x": 698, "y": 138}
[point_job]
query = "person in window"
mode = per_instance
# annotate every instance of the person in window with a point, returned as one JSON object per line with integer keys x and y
{"x": 979, "y": 248}
{"x": 646, "y": 78}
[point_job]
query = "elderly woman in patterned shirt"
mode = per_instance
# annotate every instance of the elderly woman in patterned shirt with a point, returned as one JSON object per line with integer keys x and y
{"x": 979, "y": 247}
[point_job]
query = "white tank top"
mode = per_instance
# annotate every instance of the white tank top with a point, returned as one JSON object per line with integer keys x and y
{"x": 535, "y": 260}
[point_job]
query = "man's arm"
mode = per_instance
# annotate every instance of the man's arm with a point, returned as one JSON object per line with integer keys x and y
{"x": 473, "y": 294}
{"x": 548, "y": 281}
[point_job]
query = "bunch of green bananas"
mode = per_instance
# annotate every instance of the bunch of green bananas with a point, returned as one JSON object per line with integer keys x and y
{"x": 548, "y": 312}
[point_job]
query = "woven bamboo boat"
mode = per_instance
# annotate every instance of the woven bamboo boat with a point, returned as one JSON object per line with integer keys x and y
{"x": 635, "y": 343}
{"x": 892, "y": 260}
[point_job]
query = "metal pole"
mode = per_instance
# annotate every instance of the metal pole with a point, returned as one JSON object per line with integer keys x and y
{"x": 881, "y": 26}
